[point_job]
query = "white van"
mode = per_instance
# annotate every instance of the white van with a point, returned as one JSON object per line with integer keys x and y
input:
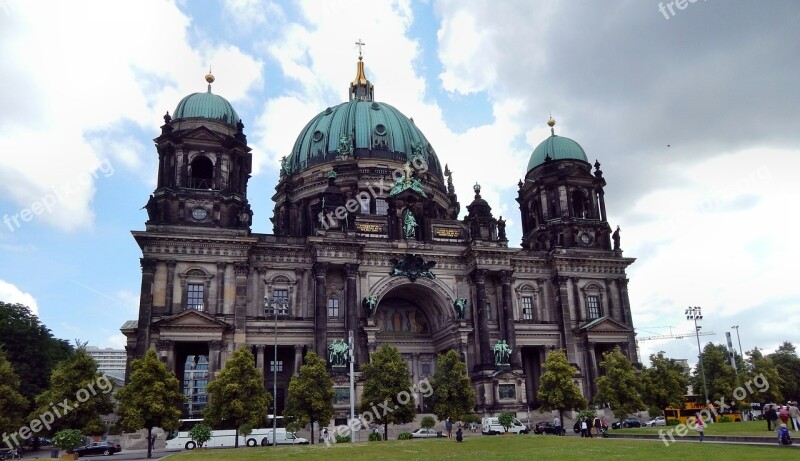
{"x": 284, "y": 438}
{"x": 492, "y": 426}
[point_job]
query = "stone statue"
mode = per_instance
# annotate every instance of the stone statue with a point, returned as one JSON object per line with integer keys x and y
{"x": 460, "y": 306}
{"x": 152, "y": 208}
{"x": 501, "y": 229}
{"x": 345, "y": 144}
{"x": 502, "y": 352}
{"x": 339, "y": 353}
{"x": 370, "y": 303}
{"x": 409, "y": 225}
{"x": 615, "y": 237}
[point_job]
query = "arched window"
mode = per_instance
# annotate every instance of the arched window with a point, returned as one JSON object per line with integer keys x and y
{"x": 333, "y": 308}
{"x": 201, "y": 173}
{"x": 196, "y": 283}
{"x": 593, "y": 301}
{"x": 578, "y": 204}
{"x": 526, "y": 298}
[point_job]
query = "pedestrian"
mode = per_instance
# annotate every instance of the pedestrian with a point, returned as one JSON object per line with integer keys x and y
{"x": 784, "y": 414}
{"x": 794, "y": 414}
{"x": 700, "y": 427}
{"x": 584, "y": 428}
{"x": 783, "y": 435}
{"x": 771, "y": 416}
{"x": 557, "y": 425}
{"x": 448, "y": 426}
{"x": 459, "y": 435}
{"x": 153, "y": 442}
{"x": 597, "y": 425}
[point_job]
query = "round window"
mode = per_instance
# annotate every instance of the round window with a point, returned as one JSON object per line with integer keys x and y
{"x": 317, "y": 136}
{"x": 199, "y": 213}
{"x": 380, "y": 130}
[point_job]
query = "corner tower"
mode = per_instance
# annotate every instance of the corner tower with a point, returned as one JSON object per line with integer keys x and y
{"x": 203, "y": 165}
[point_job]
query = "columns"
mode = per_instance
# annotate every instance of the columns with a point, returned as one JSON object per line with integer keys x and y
{"x": 300, "y": 306}
{"x": 320, "y": 311}
{"x": 219, "y": 307}
{"x": 260, "y": 358}
{"x": 170, "y": 286}
{"x": 298, "y": 358}
{"x": 352, "y": 307}
{"x": 591, "y": 372}
{"x": 145, "y": 306}
{"x": 485, "y": 351}
{"x": 565, "y": 319}
{"x": 241, "y": 270}
{"x": 166, "y": 352}
{"x": 214, "y": 352}
{"x": 129, "y": 356}
{"x": 511, "y": 334}
{"x": 602, "y": 206}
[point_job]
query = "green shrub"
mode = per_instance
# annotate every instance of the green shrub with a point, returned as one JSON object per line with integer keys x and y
{"x": 428, "y": 422}
{"x": 654, "y": 411}
{"x": 506, "y": 420}
{"x": 471, "y": 418}
{"x": 673, "y": 422}
{"x": 725, "y": 419}
{"x": 342, "y": 439}
{"x": 375, "y": 437}
{"x": 200, "y": 433}
{"x": 67, "y": 439}
{"x": 404, "y": 436}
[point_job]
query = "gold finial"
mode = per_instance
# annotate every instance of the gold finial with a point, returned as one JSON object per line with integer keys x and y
{"x": 551, "y": 123}
{"x": 210, "y": 79}
{"x": 360, "y": 44}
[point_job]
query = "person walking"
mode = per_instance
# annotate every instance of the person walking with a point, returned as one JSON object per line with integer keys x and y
{"x": 771, "y": 415}
{"x": 557, "y": 425}
{"x": 448, "y": 426}
{"x": 794, "y": 414}
{"x": 700, "y": 428}
{"x": 597, "y": 425}
{"x": 584, "y": 427}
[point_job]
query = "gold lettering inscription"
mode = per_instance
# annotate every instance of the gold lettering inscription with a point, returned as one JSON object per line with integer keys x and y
{"x": 448, "y": 233}
{"x": 369, "y": 228}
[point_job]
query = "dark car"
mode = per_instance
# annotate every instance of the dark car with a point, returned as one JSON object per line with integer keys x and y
{"x": 630, "y": 422}
{"x": 547, "y": 428}
{"x": 97, "y": 448}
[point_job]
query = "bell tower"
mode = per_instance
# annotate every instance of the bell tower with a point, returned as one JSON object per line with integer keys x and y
{"x": 204, "y": 165}
{"x": 561, "y": 199}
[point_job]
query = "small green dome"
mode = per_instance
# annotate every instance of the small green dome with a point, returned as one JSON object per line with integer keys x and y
{"x": 557, "y": 148}
{"x": 364, "y": 129}
{"x": 207, "y": 106}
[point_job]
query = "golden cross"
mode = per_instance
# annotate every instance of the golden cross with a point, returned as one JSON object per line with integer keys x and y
{"x": 360, "y": 44}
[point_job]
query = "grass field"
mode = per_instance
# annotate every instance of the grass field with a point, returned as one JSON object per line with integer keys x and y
{"x": 516, "y": 447}
{"x": 750, "y": 428}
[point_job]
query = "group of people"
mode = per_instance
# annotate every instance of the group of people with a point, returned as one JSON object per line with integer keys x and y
{"x": 587, "y": 424}
{"x": 448, "y": 426}
{"x": 784, "y": 413}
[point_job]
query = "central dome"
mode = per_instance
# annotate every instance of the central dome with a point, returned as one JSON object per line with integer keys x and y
{"x": 206, "y": 106}
{"x": 556, "y": 148}
{"x": 369, "y": 129}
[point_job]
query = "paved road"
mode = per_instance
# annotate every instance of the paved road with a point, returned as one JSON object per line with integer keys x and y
{"x": 126, "y": 455}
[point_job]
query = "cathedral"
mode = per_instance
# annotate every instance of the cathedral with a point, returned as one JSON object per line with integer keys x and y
{"x": 367, "y": 248}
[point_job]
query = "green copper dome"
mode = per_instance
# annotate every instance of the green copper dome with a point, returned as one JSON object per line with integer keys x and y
{"x": 207, "y": 106}
{"x": 360, "y": 128}
{"x": 557, "y": 148}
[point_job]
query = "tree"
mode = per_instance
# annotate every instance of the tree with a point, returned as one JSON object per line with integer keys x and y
{"x": 310, "y": 394}
{"x": 67, "y": 439}
{"x": 619, "y": 386}
{"x": 237, "y": 395}
{"x": 13, "y": 403}
{"x": 719, "y": 374}
{"x": 453, "y": 396}
{"x": 152, "y": 397}
{"x": 428, "y": 422}
{"x": 788, "y": 366}
{"x": 757, "y": 364}
{"x": 387, "y": 389}
{"x": 31, "y": 348}
{"x": 506, "y": 420}
{"x": 664, "y": 383}
{"x": 556, "y": 389}
{"x": 78, "y": 393}
{"x": 200, "y": 433}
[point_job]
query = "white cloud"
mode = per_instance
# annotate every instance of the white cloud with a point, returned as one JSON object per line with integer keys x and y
{"x": 82, "y": 69}
{"x": 13, "y": 295}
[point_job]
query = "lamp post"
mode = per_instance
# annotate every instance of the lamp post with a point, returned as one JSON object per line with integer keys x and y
{"x": 695, "y": 313}
{"x": 736, "y": 327}
{"x": 352, "y": 387}
{"x": 282, "y": 304}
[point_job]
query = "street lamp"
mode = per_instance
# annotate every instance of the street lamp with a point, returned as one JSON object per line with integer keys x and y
{"x": 694, "y": 313}
{"x": 736, "y": 327}
{"x": 282, "y": 304}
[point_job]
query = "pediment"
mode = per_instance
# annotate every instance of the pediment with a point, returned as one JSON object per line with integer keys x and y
{"x": 202, "y": 133}
{"x": 190, "y": 319}
{"x": 605, "y": 325}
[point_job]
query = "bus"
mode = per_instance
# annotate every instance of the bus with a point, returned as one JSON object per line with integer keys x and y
{"x": 691, "y": 408}
{"x": 179, "y": 438}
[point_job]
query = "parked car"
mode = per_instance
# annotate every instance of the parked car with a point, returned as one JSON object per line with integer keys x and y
{"x": 629, "y": 422}
{"x": 657, "y": 421}
{"x": 97, "y": 448}
{"x": 423, "y": 433}
{"x": 547, "y": 428}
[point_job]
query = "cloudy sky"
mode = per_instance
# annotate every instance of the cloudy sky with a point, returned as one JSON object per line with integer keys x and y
{"x": 692, "y": 112}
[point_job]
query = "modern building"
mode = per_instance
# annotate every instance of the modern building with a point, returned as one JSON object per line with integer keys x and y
{"x": 110, "y": 361}
{"x": 367, "y": 239}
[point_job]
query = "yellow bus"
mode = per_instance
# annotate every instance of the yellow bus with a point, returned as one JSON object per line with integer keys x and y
{"x": 691, "y": 408}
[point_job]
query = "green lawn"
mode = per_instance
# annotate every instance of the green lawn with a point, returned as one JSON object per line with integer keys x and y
{"x": 513, "y": 447}
{"x": 752, "y": 428}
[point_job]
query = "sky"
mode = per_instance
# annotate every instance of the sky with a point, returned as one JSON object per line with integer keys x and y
{"x": 693, "y": 114}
